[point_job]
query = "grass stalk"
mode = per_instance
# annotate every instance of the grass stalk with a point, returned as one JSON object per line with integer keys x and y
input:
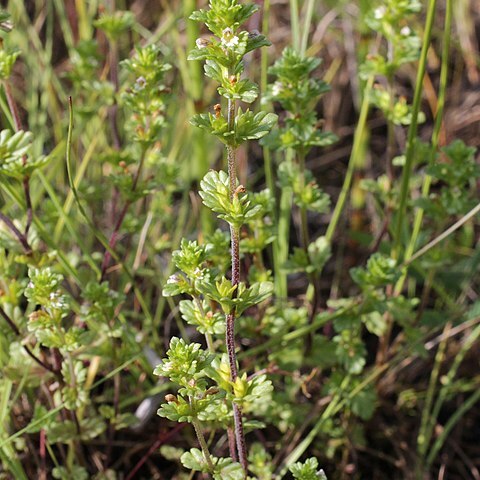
{"x": 100, "y": 237}
{"x": 412, "y": 131}
{"x": 427, "y": 180}
{"x": 452, "y": 421}
{"x": 306, "y": 26}
{"x": 295, "y": 24}
{"x": 422, "y": 440}
{"x": 358, "y": 139}
{"x": 280, "y": 280}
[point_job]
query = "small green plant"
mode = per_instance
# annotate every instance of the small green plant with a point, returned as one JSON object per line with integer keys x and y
{"x": 223, "y": 54}
{"x": 298, "y": 93}
{"x": 327, "y": 320}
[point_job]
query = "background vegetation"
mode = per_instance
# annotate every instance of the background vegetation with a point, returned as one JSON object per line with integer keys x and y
{"x": 358, "y": 322}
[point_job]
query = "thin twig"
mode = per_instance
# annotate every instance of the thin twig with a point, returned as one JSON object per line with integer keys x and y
{"x": 17, "y": 332}
{"x": 17, "y": 123}
{"x": 20, "y": 236}
{"x": 115, "y": 234}
{"x": 163, "y": 437}
{"x": 444, "y": 235}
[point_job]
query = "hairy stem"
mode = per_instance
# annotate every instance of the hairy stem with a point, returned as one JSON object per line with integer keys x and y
{"x": 230, "y": 318}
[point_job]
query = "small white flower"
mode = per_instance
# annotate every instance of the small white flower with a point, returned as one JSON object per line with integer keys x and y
{"x": 172, "y": 279}
{"x": 230, "y": 43}
{"x": 228, "y": 39}
{"x": 405, "y": 31}
{"x": 380, "y": 12}
{"x": 277, "y": 88}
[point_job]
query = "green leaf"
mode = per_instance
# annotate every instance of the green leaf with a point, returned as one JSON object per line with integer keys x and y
{"x": 5, "y": 23}
{"x": 396, "y": 110}
{"x": 194, "y": 460}
{"x": 319, "y": 252}
{"x": 221, "y": 292}
{"x": 215, "y": 193}
{"x": 307, "y": 470}
{"x": 177, "y": 284}
{"x": 200, "y": 314}
{"x": 381, "y": 271}
{"x": 255, "y": 294}
{"x": 292, "y": 67}
{"x": 250, "y": 126}
{"x": 250, "y": 394}
{"x": 313, "y": 260}
{"x": 350, "y": 351}
{"x": 243, "y": 90}
{"x": 461, "y": 167}
{"x": 224, "y": 14}
{"x": 256, "y": 40}
{"x": 215, "y": 125}
{"x": 185, "y": 364}
{"x": 115, "y": 24}
{"x": 178, "y": 410}
{"x": 7, "y": 60}
{"x": 15, "y": 154}
{"x": 189, "y": 258}
{"x": 64, "y": 473}
{"x": 375, "y": 323}
{"x": 227, "y": 469}
{"x": 224, "y": 468}
{"x": 363, "y": 404}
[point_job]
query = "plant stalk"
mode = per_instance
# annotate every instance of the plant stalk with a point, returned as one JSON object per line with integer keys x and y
{"x": 17, "y": 332}
{"x": 412, "y": 131}
{"x": 17, "y": 123}
{"x": 203, "y": 444}
{"x": 230, "y": 318}
{"x": 417, "y": 223}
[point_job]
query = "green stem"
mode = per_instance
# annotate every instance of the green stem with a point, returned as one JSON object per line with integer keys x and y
{"x": 306, "y": 26}
{"x": 282, "y": 241}
{"x": 427, "y": 180}
{"x": 96, "y": 232}
{"x": 203, "y": 444}
{"x": 313, "y": 287}
{"x": 356, "y": 149}
{"x": 294, "y": 16}
{"x": 279, "y": 276}
{"x": 412, "y": 131}
{"x": 422, "y": 441}
{"x": 464, "y": 408}
{"x": 329, "y": 412}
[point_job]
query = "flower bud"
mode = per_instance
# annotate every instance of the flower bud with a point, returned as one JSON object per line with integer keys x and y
{"x": 202, "y": 43}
